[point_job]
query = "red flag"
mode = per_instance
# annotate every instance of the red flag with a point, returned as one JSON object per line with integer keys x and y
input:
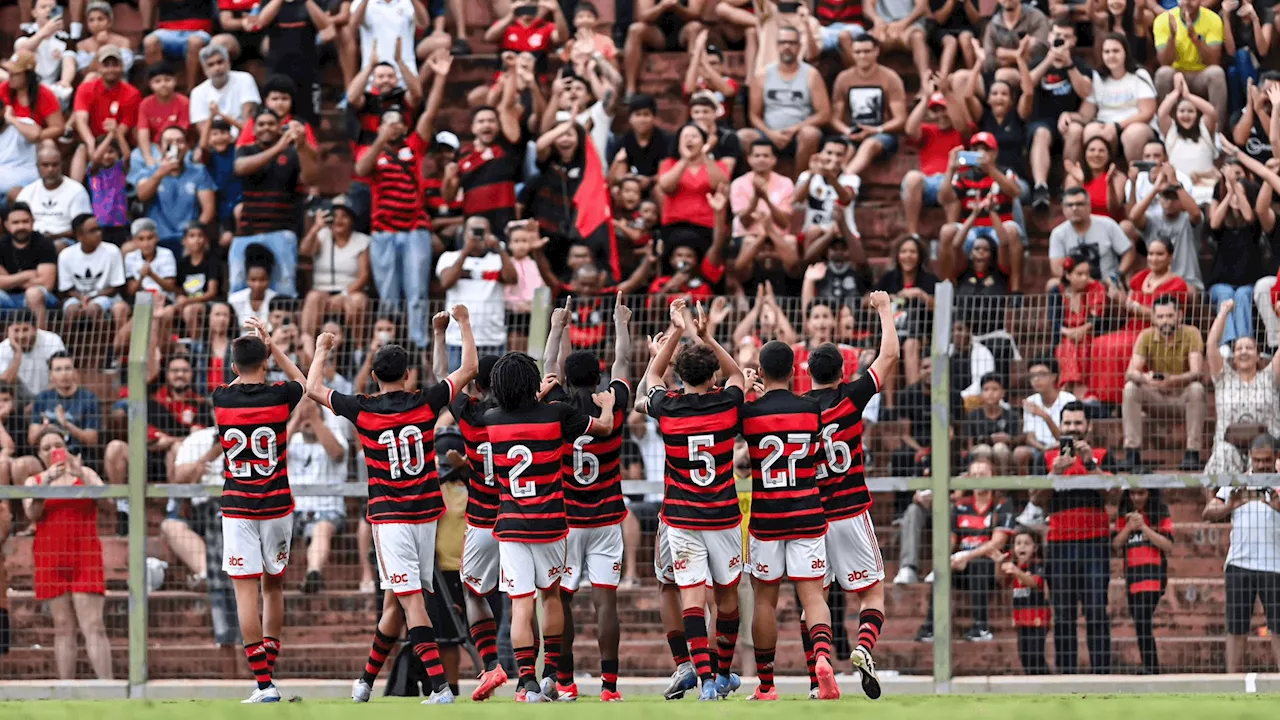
{"x": 595, "y": 208}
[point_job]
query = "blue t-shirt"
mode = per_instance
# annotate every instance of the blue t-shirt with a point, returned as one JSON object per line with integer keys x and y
{"x": 222, "y": 166}
{"x": 81, "y": 409}
{"x": 176, "y": 203}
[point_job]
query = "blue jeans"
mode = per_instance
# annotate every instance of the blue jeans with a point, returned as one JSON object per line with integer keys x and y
{"x": 1240, "y": 70}
{"x": 174, "y": 42}
{"x": 17, "y": 299}
{"x": 283, "y": 244}
{"x": 1240, "y": 321}
{"x": 401, "y": 264}
{"x": 455, "y": 353}
{"x": 1078, "y": 573}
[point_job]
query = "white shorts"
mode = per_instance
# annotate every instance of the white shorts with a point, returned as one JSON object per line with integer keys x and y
{"x": 480, "y": 564}
{"x": 853, "y": 554}
{"x": 529, "y": 567}
{"x": 594, "y": 554}
{"x": 406, "y": 556}
{"x": 796, "y": 560}
{"x": 253, "y": 547}
{"x": 702, "y": 555}
{"x": 662, "y": 567}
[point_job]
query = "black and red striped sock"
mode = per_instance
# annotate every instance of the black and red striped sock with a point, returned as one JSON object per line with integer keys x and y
{"x": 564, "y": 668}
{"x": 764, "y": 667}
{"x": 485, "y": 635}
{"x": 378, "y": 653}
{"x": 526, "y": 659}
{"x": 550, "y": 655}
{"x": 869, "y": 623}
{"x": 821, "y": 635}
{"x": 257, "y": 656}
{"x": 272, "y": 646}
{"x": 679, "y": 647}
{"x": 727, "y": 624}
{"x": 609, "y": 675}
{"x": 423, "y": 641}
{"x": 695, "y": 629}
{"x": 810, "y": 659}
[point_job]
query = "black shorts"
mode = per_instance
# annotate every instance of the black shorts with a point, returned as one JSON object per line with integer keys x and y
{"x": 671, "y": 26}
{"x": 116, "y": 235}
{"x": 1243, "y": 586}
{"x": 1052, "y": 127}
{"x": 448, "y": 634}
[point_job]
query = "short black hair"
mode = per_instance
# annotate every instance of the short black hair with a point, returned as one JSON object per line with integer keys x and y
{"x": 264, "y": 110}
{"x": 777, "y": 360}
{"x": 515, "y": 381}
{"x": 642, "y": 101}
{"x": 62, "y": 355}
{"x": 390, "y": 363}
{"x": 220, "y": 123}
{"x": 1269, "y": 76}
{"x": 281, "y": 84}
{"x": 1263, "y": 442}
{"x": 19, "y": 207}
{"x": 160, "y": 70}
{"x": 992, "y": 377}
{"x": 1074, "y": 406}
{"x": 284, "y": 304}
{"x": 586, "y": 7}
{"x": 482, "y": 108}
{"x": 1169, "y": 300}
{"x": 484, "y": 378}
{"x": 257, "y": 255}
{"x": 1077, "y": 190}
{"x": 826, "y": 364}
{"x": 77, "y": 223}
{"x": 582, "y": 370}
{"x": 249, "y": 353}
{"x": 763, "y": 142}
{"x": 867, "y": 38}
{"x": 840, "y": 140}
{"x": 1048, "y": 362}
{"x": 702, "y": 100}
{"x": 21, "y": 316}
{"x": 696, "y": 364}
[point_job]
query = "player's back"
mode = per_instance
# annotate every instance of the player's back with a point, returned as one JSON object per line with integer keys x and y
{"x": 482, "y": 487}
{"x": 782, "y": 431}
{"x": 252, "y": 424}
{"x": 698, "y": 432}
{"x": 841, "y": 472}
{"x": 591, "y": 469}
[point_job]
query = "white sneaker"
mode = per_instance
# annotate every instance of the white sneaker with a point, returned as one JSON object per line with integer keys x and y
{"x": 443, "y": 696}
{"x": 535, "y": 697}
{"x": 929, "y": 578}
{"x": 813, "y": 693}
{"x": 268, "y": 694}
{"x": 360, "y": 692}
{"x": 906, "y": 576}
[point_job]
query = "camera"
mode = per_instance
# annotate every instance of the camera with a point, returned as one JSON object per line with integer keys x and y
{"x": 1059, "y": 42}
{"x": 1145, "y": 166}
{"x": 1157, "y": 376}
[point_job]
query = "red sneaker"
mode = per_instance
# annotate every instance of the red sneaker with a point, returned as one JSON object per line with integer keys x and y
{"x": 520, "y": 694}
{"x": 567, "y": 693}
{"x": 610, "y": 696}
{"x": 490, "y": 681}
{"x": 827, "y": 688}
{"x": 760, "y": 694}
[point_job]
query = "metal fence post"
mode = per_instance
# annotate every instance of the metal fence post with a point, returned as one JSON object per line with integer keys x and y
{"x": 139, "y": 349}
{"x": 940, "y": 468}
{"x": 540, "y": 324}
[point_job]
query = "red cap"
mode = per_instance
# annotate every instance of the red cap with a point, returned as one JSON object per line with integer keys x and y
{"x": 937, "y": 100}
{"x": 984, "y": 138}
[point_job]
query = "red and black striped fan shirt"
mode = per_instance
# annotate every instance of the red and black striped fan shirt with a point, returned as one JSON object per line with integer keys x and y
{"x": 271, "y": 194}
{"x": 974, "y": 527}
{"x": 842, "y": 477}
{"x": 1145, "y": 566}
{"x": 252, "y": 422}
{"x": 1030, "y": 602}
{"x": 488, "y": 179}
{"x": 397, "y": 188}
{"x": 592, "y": 467}
{"x": 782, "y": 432}
{"x": 398, "y": 433}
{"x": 528, "y": 448}
{"x": 482, "y": 488}
{"x": 698, "y": 432}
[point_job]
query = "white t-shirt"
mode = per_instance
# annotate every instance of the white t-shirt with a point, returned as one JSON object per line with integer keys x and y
{"x": 240, "y": 89}
{"x": 90, "y": 273}
{"x": 482, "y": 296}
{"x": 17, "y": 158}
{"x": 239, "y": 302}
{"x": 1255, "y": 535}
{"x": 601, "y": 122}
{"x": 193, "y": 447}
{"x": 1036, "y": 424}
{"x": 385, "y": 21}
{"x": 334, "y": 268}
{"x": 48, "y": 53}
{"x": 53, "y": 210}
{"x": 33, "y": 368}
{"x": 821, "y": 204}
{"x": 310, "y": 464}
{"x": 164, "y": 265}
{"x": 1117, "y": 100}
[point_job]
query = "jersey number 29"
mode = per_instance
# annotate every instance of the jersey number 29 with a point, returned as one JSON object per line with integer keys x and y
{"x": 261, "y": 442}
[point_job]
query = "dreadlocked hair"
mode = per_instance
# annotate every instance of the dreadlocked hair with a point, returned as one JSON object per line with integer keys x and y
{"x": 515, "y": 381}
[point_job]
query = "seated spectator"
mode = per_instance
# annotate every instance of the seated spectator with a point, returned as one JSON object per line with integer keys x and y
{"x": 254, "y": 299}
{"x": 518, "y": 296}
{"x": 1188, "y": 42}
{"x": 68, "y": 559}
{"x": 910, "y": 285}
{"x": 707, "y": 72}
{"x": 198, "y": 280}
{"x": 105, "y": 105}
{"x": 211, "y": 352}
{"x": 25, "y": 355}
{"x": 278, "y": 93}
{"x": 706, "y": 112}
{"x": 340, "y": 269}
{"x": 318, "y": 446}
{"x": 99, "y": 19}
{"x": 1098, "y": 176}
{"x": 987, "y": 192}
{"x": 1165, "y": 372}
{"x": 658, "y": 25}
{"x": 1123, "y": 102}
{"x": 873, "y": 99}
{"x": 1061, "y": 83}
{"x": 586, "y": 40}
{"x": 900, "y": 25}
{"x": 23, "y": 92}
{"x": 826, "y": 192}
{"x": 183, "y": 28}
{"x": 1041, "y": 416}
{"x": 912, "y": 409}
{"x": 992, "y": 429}
{"x": 18, "y": 139}
{"x": 1096, "y": 237}
{"x": 162, "y": 109}
{"x": 1244, "y": 395}
{"x": 685, "y": 182}
{"x": 107, "y": 182}
{"x": 178, "y": 193}
{"x": 150, "y": 268}
{"x": 1176, "y": 221}
{"x": 1237, "y": 260}
{"x": 931, "y": 128}
{"x": 90, "y": 277}
{"x": 772, "y": 258}
{"x": 1251, "y": 124}
{"x": 1141, "y": 183}
{"x": 55, "y": 199}
{"x": 761, "y": 199}
{"x": 840, "y": 271}
{"x": 66, "y": 407}
{"x": 1083, "y": 300}
{"x": 474, "y": 276}
{"x": 45, "y": 37}
{"x": 797, "y": 105}
{"x": 819, "y": 329}
{"x": 230, "y": 95}
{"x": 30, "y": 263}
{"x": 644, "y": 145}
{"x": 386, "y": 330}
{"x": 1189, "y": 124}
{"x": 1015, "y": 31}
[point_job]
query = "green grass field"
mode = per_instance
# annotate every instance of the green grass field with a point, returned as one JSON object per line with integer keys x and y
{"x": 959, "y": 707}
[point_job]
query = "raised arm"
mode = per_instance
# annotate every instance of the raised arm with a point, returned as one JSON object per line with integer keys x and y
{"x": 559, "y": 321}
{"x": 315, "y": 376}
{"x": 1214, "y": 355}
{"x": 887, "y": 360}
{"x": 283, "y": 361}
{"x": 728, "y": 366}
{"x": 470, "y": 366}
{"x": 439, "y": 350}
{"x": 622, "y": 341}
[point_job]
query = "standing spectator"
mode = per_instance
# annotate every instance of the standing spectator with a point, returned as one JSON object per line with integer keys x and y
{"x": 30, "y": 263}
{"x": 1189, "y": 43}
{"x": 1253, "y": 559}
{"x": 182, "y": 29}
{"x": 55, "y": 199}
{"x": 1237, "y": 260}
{"x": 992, "y": 429}
{"x": 90, "y": 277}
{"x": 1164, "y": 372}
{"x": 340, "y": 269}
{"x": 1123, "y": 100}
{"x": 874, "y": 101}
{"x": 1176, "y": 221}
{"x": 1077, "y": 547}
{"x": 162, "y": 109}
{"x": 931, "y": 128}
{"x": 899, "y": 25}
{"x": 489, "y": 166}
{"x": 388, "y": 24}
{"x": 1031, "y": 611}
{"x": 659, "y": 25}
{"x": 178, "y": 193}
{"x": 18, "y": 139}
{"x": 105, "y": 105}
{"x": 474, "y": 276}
{"x": 219, "y": 154}
{"x": 761, "y": 199}
{"x": 1244, "y": 396}
{"x": 292, "y": 29}
{"x": 789, "y": 104}
{"x": 25, "y": 355}
{"x": 1144, "y": 536}
{"x": 1061, "y": 84}
{"x": 198, "y": 281}
{"x": 68, "y": 408}
{"x": 1041, "y": 415}
{"x": 107, "y": 182}
{"x": 318, "y": 450}
{"x": 230, "y": 95}
{"x": 911, "y": 285}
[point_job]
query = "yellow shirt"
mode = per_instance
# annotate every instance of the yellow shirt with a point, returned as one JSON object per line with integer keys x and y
{"x": 744, "y": 504}
{"x": 1208, "y": 26}
{"x": 452, "y": 526}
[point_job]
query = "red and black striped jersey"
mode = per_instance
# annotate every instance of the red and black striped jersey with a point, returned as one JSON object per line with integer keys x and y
{"x": 482, "y": 488}
{"x": 398, "y": 204}
{"x": 592, "y": 467}
{"x": 1030, "y": 602}
{"x": 252, "y": 426}
{"x": 398, "y": 433}
{"x": 1145, "y": 566}
{"x": 842, "y": 475}
{"x": 782, "y": 431}
{"x": 488, "y": 179}
{"x": 528, "y": 448}
{"x": 698, "y": 432}
{"x": 972, "y": 526}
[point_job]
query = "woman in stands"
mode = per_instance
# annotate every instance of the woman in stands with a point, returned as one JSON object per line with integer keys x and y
{"x": 1083, "y": 301}
{"x": 819, "y": 328}
{"x": 1245, "y": 394}
{"x": 1189, "y": 123}
{"x": 911, "y": 287}
{"x": 1144, "y": 535}
{"x": 1125, "y": 21}
{"x": 68, "y": 557}
{"x": 1123, "y": 100}
{"x": 211, "y": 356}
{"x": 1100, "y": 178}
{"x": 686, "y": 180}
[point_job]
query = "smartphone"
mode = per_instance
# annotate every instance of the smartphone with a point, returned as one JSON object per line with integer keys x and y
{"x": 970, "y": 157}
{"x": 1066, "y": 445}
{"x": 477, "y": 233}
{"x": 59, "y": 455}
{"x": 1157, "y": 376}
{"x": 788, "y": 7}
{"x": 1117, "y": 279}
{"x": 1059, "y": 42}
{"x": 1145, "y": 165}
{"x": 173, "y": 152}
{"x": 56, "y": 12}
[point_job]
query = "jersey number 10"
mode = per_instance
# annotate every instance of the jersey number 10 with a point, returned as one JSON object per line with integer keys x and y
{"x": 409, "y": 456}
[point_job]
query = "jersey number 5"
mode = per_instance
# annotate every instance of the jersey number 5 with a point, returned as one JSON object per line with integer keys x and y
{"x": 262, "y": 443}
{"x": 697, "y": 453}
{"x": 524, "y": 458}
{"x": 409, "y": 457}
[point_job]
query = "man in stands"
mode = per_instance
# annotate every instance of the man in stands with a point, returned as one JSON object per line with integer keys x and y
{"x": 930, "y": 127}
{"x": 1000, "y": 40}
{"x": 318, "y": 448}
{"x": 106, "y": 105}
{"x": 789, "y": 103}
{"x": 489, "y": 166}
{"x": 705, "y": 111}
{"x": 707, "y": 73}
{"x": 1188, "y": 41}
{"x": 475, "y": 276}
{"x": 25, "y": 354}
{"x": 30, "y": 263}
{"x": 55, "y": 199}
{"x": 227, "y": 94}
{"x": 1041, "y": 415}
{"x": 178, "y": 192}
{"x": 978, "y": 188}
{"x": 1174, "y": 218}
{"x": 899, "y": 25}
{"x": 292, "y": 30}
{"x": 640, "y": 150}
{"x": 659, "y": 25}
{"x": 1096, "y": 236}
{"x": 68, "y": 406}
{"x": 182, "y": 29}
{"x": 90, "y": 278}
{"x": 1061, "y": 85}
{"x": 869, "y": 105}
{"x": 374, "y": 91}
{"x": 761, "y": 200}
{"x": 1165, "y": 372}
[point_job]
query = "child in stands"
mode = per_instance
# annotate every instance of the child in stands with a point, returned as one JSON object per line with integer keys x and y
{"x": 1032, "y": 615}
{"x": 1144, "y": 531}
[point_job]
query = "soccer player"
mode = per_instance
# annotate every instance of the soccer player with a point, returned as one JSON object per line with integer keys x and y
{"x": 257, "y": 507}
{"x": 852, "y": 551}
{"x": 787, "y": 525}
{"x": 592, "y": 474}
{"x": 526, "y": 448}
{"x": 397, "y": 430}
{"x": 700, "y": 506}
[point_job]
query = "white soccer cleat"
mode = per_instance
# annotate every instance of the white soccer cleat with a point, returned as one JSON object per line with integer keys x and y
{"x": 443, "y": 696}
{"x": 269, "y": 694}
{"x": 906, "y": 576}
{"x": 360, "y": 692}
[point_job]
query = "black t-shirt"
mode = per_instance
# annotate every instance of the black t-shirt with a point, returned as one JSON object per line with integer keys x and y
{"x": 956, "y": 21}
{"x": 270, "y": 195}
{"x": 1011, "y": 135}
{"x": 644, "y": 160}
{"x": 980, "y": 428}
{"x": 1258, "y": 146}
{"x": 1054, "y": 94}
{"x": 292, "y": 49}
{"x": 893, "y": 282}
{"x": 1237, "y": 259}
{"x": 727, "y": 146}
{"x": 36, "y": 252}
{"x": 845, "y": 284}
{"x": 194, "y": 278}
{"x": 980, "y": 300}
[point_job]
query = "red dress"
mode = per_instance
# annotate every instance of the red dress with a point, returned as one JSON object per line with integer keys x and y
{"x": 1097, "y": 189}
{"x": 1111, "y": 352}
{"x": 1073, "y": 357}
{"x": 67, "y": 552}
